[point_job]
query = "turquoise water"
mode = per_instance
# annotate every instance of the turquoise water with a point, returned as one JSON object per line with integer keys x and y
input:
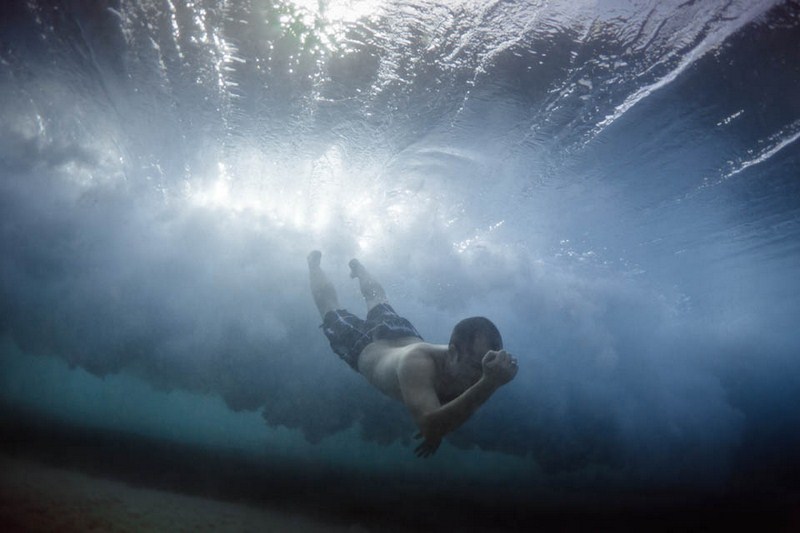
{"x": 615, "y": 185}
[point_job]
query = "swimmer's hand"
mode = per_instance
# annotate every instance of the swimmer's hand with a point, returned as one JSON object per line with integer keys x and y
{"x": 427, "y": 448}
{"x": 499, "y": 367}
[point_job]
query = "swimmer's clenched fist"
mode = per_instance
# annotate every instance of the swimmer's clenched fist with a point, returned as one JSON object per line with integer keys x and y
{"x": 499, "y": 367}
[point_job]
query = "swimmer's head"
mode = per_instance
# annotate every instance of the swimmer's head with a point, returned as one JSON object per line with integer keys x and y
{"x": 470, "y": 340}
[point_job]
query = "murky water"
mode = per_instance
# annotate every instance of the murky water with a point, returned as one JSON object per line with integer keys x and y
{"x": 615, "y": 184}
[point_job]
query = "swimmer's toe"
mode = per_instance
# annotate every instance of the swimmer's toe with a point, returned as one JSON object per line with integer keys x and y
{"x": 314, "y": 259}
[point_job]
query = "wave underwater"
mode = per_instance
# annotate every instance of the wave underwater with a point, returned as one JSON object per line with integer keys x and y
{"x": 615, "y": 185}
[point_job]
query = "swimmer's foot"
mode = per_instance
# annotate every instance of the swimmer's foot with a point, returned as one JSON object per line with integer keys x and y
{"x": 314, "y": 259}
{"x": 356, "y": 268}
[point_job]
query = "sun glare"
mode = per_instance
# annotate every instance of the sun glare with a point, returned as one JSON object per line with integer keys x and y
{"x": 339, "y": 11}
{"x": 318, "y": 198}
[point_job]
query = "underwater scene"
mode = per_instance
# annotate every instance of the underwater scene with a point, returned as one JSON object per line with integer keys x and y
{"x": 613, "y": 184}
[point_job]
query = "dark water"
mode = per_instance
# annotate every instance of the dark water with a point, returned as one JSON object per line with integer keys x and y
{"x": 616, "y": 185}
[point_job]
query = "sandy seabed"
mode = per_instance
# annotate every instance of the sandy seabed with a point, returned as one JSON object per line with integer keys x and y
{"x": 35, "y": 497}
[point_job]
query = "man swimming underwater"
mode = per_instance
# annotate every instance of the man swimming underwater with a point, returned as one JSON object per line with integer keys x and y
{"x": 441, "y": 385}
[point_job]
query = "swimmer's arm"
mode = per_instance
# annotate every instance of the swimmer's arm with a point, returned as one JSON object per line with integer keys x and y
{"x": 434, "y": 420}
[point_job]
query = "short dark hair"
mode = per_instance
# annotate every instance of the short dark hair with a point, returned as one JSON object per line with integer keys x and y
{"x": 466, "y": 331}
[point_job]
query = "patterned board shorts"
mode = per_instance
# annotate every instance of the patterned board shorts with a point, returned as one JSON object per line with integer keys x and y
{"x": 349, "y": 335}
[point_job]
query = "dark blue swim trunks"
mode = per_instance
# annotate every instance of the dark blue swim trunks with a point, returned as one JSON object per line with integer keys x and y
{"x": 349, "y": 335}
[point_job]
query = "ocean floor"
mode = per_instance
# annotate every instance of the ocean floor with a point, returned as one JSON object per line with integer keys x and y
{"x": 59, "y": 477}
{"x": 36, "y": 497}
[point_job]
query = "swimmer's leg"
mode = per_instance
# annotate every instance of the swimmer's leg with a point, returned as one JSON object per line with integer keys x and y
{"x": 322, "y": 289}
{"x": 371, "y": 290}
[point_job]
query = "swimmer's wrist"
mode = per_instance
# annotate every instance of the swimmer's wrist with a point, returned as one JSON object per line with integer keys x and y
{"x": 489, "y": 383}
